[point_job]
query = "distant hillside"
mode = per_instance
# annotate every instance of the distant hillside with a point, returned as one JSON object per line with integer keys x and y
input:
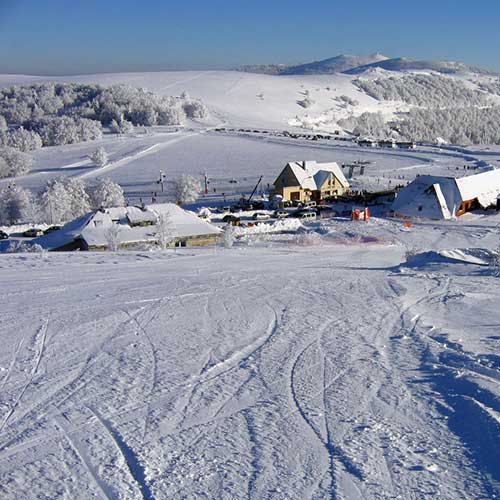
{"x": 338, "y": 64}
{"x": 408, "y": 64}
{"x": 356, "y": 64}
{"x": 264, "y": 69}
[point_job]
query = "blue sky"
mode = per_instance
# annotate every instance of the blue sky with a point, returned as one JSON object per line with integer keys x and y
{"x": 84, "y": 36}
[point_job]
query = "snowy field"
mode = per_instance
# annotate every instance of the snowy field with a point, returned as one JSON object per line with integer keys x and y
{"x": 271, "y": 371}
{"x": 359, "y": 361}
{"x": 135, "y": 161}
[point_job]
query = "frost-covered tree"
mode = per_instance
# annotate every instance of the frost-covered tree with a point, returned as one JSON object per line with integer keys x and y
{"x": 21, "y": 139}
{"x": 165, "y": 230}
{"x": 107, "y": 194}
{"x": 56, "y": 202}
{"x": 229, "y": 236}
{"x": 174, "y": 115}
{"x": 88, "y": 130}
{"x": 70, "y": 113}
{"x": 80, "y": 199}
{"x": 121, "y": 127}
{"x": 99, "y": 157}
{"x": 14, "y": 202}
{"x": 112, "y": 235}
{"x": 432, "y": 91}
{"x": 186, "y": 189}
{"x": 24, "y": 247}
{"x": 67, "y": 130}
{"x": 34, "y": 213}
{"x": 65, "y": 199}
{"x": 367, "y": 124}
{"x": 195, "y": 109}
{"x": 348, "y": 100}
{"x": 14, "y": 163}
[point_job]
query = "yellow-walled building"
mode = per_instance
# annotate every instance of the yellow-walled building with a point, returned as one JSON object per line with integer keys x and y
{"x": 307, "y": 180}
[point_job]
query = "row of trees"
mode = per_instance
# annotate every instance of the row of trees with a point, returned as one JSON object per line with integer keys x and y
{"x": 67, "y": 198}
{"x": 51, "y": 114}
{"x": 493, "y": 86}
{"x": 466, "y": 125}
{"x": 62, "y": 200}
{"x": 432, "y": 91}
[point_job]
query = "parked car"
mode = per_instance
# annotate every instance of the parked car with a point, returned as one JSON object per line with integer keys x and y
{"x": 309, "y": 204}
{"x": 260, "y": 216}
{"x": 297, "y": 203}
{"x": 307, "y": 214}
{"x": 51, "y": 229}
{"x": 229, "y": 218}
{"x": 3, "y": 235}
{"x": 281, "y": 214}
{"x": 258, "y": 205}
{"x": 34, "y": 232}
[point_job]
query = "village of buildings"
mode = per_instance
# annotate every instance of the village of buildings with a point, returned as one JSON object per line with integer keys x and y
{"x": 303, "y": 193}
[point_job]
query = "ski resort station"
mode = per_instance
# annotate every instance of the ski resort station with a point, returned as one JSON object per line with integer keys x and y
{"x": 310, "y": 181}
{"x": 130, "y": 227}
{"x": 436, "y": 197}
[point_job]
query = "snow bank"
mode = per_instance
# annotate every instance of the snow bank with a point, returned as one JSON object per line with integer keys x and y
{"x": 263, "y": 228}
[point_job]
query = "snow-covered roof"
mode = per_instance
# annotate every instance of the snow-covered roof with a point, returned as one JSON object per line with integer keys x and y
{"x": 485, "y": 187}
{"x": 137, "y": 215}
{"x": 312, "y": 175}
{"x": 436, "y": 197}
{"x": 93, "y": 227}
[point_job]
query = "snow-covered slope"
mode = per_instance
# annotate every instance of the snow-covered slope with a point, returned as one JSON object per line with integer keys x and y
{"x": 277, "y": 371}
{"x": 245, "y": 99}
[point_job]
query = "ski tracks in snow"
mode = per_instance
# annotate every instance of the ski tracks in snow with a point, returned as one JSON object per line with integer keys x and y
{"x": 130, "y": 458}
{"x": 39, "y": 343}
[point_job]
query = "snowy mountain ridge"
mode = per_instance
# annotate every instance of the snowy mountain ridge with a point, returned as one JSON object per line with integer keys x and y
{"x": 357, "y": 64}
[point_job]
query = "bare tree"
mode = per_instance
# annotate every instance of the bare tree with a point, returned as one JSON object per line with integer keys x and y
{"x": 112, "y": 235}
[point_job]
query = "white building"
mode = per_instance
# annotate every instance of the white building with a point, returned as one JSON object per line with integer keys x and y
{"x": 436, "y": 197}
{"x": 134, "y": 227}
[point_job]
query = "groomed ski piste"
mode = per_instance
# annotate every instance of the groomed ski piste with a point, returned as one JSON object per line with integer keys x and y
{"x": 352, "y": 360}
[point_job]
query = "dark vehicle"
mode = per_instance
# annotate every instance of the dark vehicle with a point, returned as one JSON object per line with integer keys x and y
{"x": 258, "y": 205}
{"x": 3, "y": 235}
{"x": 230, "y": 218}
{"x": 33, "y": 233}
{"x": 51, "y": 229}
